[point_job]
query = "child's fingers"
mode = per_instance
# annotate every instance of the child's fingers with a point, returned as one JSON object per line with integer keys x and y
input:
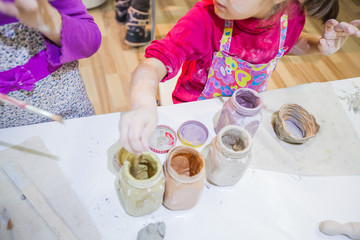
{"x": 355, "y": 22}
{"x": 146, "y": 136}
{"x": 8, "y": 9}
{"x": 27, "y": 5}
{"x": 124, "y": 135}
{"x": 329, "y": 25}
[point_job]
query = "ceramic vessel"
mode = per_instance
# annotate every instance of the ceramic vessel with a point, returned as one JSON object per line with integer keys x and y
{"x": 293, "y": 124}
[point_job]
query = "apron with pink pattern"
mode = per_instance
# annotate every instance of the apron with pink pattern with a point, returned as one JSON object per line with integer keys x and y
{"x": 228, "y": 73}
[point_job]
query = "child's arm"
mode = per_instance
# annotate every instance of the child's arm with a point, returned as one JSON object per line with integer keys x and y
{"x": 38, "y": 14}
{"x": 335, "y": 35}
{"x": 137, "y": 125}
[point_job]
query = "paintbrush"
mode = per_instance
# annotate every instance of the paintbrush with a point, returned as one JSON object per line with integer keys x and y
{"x": 6, "y": 99}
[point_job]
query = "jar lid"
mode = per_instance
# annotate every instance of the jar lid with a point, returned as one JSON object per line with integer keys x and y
{"x": 163, "y": 139}
{"x": 193, "y": 133}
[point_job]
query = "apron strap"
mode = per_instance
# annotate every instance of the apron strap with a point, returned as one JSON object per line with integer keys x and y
{"x": 283, "y": 32}
{"x": 226, "y": 37}
{"x": 228, "y": 29}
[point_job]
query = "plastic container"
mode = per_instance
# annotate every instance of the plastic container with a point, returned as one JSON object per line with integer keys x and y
{"x": 243, "y": 109}
{"x": 185, "y": 178}
{"x": 229, "y": 156}
{"x": 193, "y": 133}
{"x": 162, "y": 140}
{"x": 141, "y": 184}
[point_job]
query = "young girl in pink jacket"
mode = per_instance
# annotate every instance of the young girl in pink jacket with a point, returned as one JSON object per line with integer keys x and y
{"x": 223, "y": 45}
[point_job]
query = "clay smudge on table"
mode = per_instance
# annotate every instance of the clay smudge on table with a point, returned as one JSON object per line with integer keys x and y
{"x": 153, "y": 231}
{"x": 353, "y": 101}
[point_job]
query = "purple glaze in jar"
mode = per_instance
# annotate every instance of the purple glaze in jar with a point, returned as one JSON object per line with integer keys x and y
{"x": 243, "y": 109}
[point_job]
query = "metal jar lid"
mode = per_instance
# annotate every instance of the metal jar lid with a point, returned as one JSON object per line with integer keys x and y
{"x": 193, "y": 133}
{"x": 163, "y": 139}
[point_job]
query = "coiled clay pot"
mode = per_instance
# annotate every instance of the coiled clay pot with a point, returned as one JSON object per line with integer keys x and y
{"x": 293, "y": 124}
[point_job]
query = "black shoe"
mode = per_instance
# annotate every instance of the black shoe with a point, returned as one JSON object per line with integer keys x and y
{"x": 136, "y": 34}
{"x": 121, "y": 7}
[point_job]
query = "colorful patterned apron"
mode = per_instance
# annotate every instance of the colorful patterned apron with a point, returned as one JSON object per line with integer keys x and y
{"x": 228, "y": 73}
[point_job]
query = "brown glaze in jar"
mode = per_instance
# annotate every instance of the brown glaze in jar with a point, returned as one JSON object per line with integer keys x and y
{"x": 185, "y": 178}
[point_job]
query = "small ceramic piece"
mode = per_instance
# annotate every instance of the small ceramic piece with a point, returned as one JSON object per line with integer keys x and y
{"x": 293, "y": 124}
{"x": 153, "y": 231}
{"x": 351, "y": 229}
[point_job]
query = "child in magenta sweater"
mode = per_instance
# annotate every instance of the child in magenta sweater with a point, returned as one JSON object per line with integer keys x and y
{"x": 223, "y": 45}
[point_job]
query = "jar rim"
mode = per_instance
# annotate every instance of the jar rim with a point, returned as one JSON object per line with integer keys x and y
{"x": 145, "y": 183}
{"x": 178, "y": 177}
{"x": 244, "y": 110}
{"x": 231, "y": 152}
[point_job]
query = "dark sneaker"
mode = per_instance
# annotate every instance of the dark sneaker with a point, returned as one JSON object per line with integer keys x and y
{"x": 136, "y": 34}
{"x": 121, "y": 7}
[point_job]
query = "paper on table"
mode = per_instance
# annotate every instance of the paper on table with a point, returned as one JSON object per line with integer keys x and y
{"x": 41, "y": 169}
{"x": 335, "y": 150}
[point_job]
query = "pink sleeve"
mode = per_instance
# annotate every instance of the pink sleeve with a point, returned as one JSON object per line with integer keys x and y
{"x": 80, "y": 36}
{"x": 190, "y": 39}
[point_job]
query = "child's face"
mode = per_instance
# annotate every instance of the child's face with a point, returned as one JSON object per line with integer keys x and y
{"x": 242, "y": 9}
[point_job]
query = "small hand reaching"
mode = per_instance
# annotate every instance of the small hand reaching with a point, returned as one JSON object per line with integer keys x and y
{"x": 335, "y": 35}
{"x": 136, "y": 127}
{"x": 37, "y": 14}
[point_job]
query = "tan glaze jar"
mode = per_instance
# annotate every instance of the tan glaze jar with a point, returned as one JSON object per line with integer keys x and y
{"x": 243, "y": 108}
{"x": 229, "y": 156}
{"x": 185, "y": 178}
{"x": 141, "y": 184}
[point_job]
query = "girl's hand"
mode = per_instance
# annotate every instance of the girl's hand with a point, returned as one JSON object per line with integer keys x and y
{"x": 136, "y": 127}
{"x": 38, "y": 14}
{"x": 335, "y": 35}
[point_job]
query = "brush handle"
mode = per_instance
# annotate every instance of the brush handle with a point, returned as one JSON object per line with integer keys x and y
{"x": 351, "y": 229}
{"x": 12, "y": 101}
{"x": 24, "y": 105}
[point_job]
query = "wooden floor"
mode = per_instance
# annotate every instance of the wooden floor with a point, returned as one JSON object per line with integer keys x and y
{"x": 107, "y": 73}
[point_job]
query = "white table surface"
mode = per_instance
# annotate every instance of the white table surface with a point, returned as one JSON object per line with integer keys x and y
{"x": 262, "y": 205}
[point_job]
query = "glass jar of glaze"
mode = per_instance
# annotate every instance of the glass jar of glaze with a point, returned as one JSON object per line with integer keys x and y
{"x": 185, "y": 178}
{"x": 243, "y": 108}
{"x": 229, "y": 156}
{"x": 141, "y": 184}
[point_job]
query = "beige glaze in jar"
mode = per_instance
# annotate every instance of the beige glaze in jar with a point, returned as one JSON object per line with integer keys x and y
{"x": 141, "y": 184}
{"x": 185, "y": 178}
{"x": 229, "y": 156}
